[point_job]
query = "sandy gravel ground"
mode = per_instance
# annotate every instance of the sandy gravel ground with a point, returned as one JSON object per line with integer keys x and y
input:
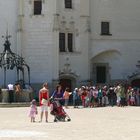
{"x": 109, "y": 123}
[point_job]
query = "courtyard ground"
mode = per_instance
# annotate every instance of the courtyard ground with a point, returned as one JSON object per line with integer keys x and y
{"x": 108, "y": 123}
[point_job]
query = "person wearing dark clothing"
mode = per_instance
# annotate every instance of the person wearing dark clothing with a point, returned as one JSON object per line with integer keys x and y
{"x": 58, "y": 94}
{"x": 0, "y": 94}
{"x": 122, "y": 95}
{"x": 112, "y": 96}
{"x": 76, "y": 98}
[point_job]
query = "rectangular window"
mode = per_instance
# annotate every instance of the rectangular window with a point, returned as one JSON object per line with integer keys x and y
{"x": 37, "y": 7}
{"x": 68, "y": 4}
{"x": 62, "y": 42}
{"x": 70, "y": 42}
{"x": 105, "y": 28}
{"x": 66, "y": 42}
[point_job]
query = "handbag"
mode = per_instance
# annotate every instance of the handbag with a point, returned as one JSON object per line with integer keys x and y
{"x": 44, "y": 101}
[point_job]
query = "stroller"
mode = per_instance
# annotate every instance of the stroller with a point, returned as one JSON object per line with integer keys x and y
{"x": 58, "y": 112}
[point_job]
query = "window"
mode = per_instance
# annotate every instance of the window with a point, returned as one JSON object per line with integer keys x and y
{"x": 62, "y": 42}
{"x": 105, "y": 28}
{"x": 37, "y": 7}
{"x": 66, "y": 42}
{"x": 68, "y": 4}
{"x": 70, "y": 42}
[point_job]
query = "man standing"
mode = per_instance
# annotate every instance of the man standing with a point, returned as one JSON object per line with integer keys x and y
{"x": 11, "y": 92}
{"x": 17, "y": 92}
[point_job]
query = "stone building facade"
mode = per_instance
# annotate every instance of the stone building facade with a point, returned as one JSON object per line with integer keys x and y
{"x": 74, "y": 42}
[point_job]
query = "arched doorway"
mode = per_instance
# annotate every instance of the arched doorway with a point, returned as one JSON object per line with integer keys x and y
{"x": 102, "y": 66}
{"x": 101, "y": 74}
{"x": 66, "y": 83}
{"x": 68, "y": 80}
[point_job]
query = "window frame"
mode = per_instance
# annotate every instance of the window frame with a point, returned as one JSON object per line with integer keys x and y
{"x": 36, "y": 13}
{"x": 67, "y": 48}
{"x": 62, "y": 48}
{"x": 70, "y": 42}
{"x": 68, "y": 4}
{"x": 105, "y": 28}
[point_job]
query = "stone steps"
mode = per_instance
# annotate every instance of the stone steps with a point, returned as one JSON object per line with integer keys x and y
{"x": 25, "y": 104}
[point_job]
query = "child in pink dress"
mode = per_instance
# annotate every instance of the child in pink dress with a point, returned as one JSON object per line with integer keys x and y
{"x": 33, "y": 110}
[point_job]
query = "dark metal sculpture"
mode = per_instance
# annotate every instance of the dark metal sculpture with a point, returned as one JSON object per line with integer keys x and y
{"x": 10, "y": 60}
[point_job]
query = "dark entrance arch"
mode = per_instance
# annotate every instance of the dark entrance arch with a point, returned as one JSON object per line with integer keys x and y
{"x": 101, "y": 74}
{"x": 66, "y": 83}
{"x": 136, "y": 83}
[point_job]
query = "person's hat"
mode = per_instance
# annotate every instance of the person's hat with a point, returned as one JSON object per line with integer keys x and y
{"x": 33, "y": 102}
{"x": 111, "y": 88}
{"x": 76, "y": 89}
{"x": 104, "y": 87}
{"x": 118, "y": 87}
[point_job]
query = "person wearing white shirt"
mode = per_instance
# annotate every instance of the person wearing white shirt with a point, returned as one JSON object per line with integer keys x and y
{"x": 11, "y": 92}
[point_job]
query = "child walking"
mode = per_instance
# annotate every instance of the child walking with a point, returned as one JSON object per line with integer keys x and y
{"x": 33, "y": 110}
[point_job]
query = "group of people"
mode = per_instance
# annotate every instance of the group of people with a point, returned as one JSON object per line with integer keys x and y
{"x": 14, "y": 89}
{"x": 44, "y": 101}
{"x": 15, "y": 92}
{"x": 100, "y": 96}
{"x": 87, "y": 96}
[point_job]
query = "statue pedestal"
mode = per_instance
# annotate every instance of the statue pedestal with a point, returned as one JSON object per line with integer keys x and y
{"x": 5, "y": 96}
{"x": 24, "y": 96}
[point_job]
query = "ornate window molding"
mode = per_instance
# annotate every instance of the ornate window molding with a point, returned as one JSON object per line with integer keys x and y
{"x": 56, "y": 23}
{"x": 66, "y": 41}
{"x": 69, "y": 33}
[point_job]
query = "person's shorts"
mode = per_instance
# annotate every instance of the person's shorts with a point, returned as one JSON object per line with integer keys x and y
{"x": 44, "y": 108}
